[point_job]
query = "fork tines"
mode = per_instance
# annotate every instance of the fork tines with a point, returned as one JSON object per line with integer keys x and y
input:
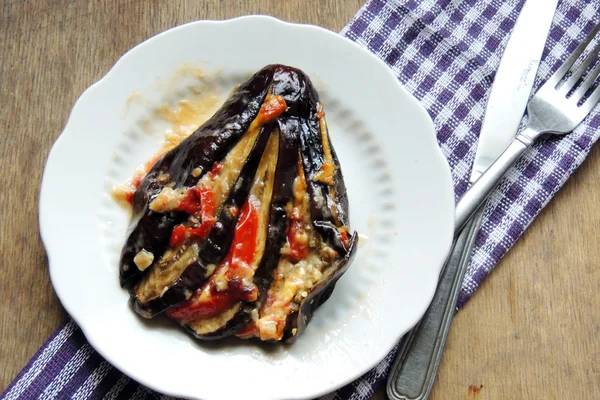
{"x": 565, "y": 80}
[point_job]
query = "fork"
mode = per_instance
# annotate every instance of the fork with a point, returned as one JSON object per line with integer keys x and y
{"x": 557, "y": 108}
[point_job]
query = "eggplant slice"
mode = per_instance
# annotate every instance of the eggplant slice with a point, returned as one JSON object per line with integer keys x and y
{"x": 243, "y": 228}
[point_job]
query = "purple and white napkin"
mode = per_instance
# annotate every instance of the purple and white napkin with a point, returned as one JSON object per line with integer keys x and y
{"x": 445, "y": 52}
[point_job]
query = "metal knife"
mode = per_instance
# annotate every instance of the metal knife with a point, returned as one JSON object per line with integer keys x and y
{"x": 416, "y": 365}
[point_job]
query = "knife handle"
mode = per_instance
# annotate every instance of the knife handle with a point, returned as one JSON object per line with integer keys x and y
{"x": 420, "y": 354}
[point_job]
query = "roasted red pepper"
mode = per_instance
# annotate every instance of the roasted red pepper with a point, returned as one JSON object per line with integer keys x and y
{"x": 209, "y": 301}
{"x": 192, "y": 202}
{"x": 217, "y": 167}
{"x": 201, "y": 306}
{"x": 178, "y": 235}
{"x": 244, "y": 241}
{"x": 345, "y": 238}
{"x": 272, "y": 108}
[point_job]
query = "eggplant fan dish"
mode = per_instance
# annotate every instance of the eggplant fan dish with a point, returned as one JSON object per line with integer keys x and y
{"x": 242, "y": 229}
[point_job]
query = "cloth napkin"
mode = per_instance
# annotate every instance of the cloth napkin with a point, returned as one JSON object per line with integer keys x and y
{"x": 445, "y": 52}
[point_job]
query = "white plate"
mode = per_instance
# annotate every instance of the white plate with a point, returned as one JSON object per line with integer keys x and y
{"x": 399, "y": 187}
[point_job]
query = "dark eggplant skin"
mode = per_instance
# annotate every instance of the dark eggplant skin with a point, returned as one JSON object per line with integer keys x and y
{"x": 303, "y": 102}
{"x": 208, "y": 144}
{"x": 313, "y": 158}
{"x": 297, "y": 90}
{"x": 286, "y": 171}
{"x": 215, "y": 248}
{"x": 341, "y": 198}
{"x": 297, "y": 321}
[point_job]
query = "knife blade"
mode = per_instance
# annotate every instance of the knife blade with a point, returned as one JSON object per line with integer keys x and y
{"x": 419, "y": 356}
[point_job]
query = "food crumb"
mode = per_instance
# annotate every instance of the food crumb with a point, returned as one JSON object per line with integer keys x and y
{"x": 474, "y": 390}
{"x": 196, "y": 172}
{"x": 362, "y": 239}
{"x": 143, "y": 259}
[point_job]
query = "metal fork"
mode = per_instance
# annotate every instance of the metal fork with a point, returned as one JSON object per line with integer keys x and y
{"x": 551, "y": 111}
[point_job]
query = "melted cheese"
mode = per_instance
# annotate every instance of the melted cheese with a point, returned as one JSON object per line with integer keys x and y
{"x": 327, "y": 171}
{"x": 165, "y": 273}
{"x": 261, "y": 193}
{"x": 222, "y": 182}
{"x": 293, "y": 281}
{"x": 211, "y": 325}
{"x": 167, "y": 200}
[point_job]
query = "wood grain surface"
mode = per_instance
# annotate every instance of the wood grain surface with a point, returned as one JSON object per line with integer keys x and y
{"x": 532, "y": 331}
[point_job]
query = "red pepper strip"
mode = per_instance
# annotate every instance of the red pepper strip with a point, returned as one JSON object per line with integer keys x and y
{"x": 178, "y": 235}
{"x": 207, "y": 302}
{"x": 195, "y": 200}
{"x": 244, "y": 240}
{"x": 208, "y": 205}
{"x": 207, "y": 305}
{"x": 217, "y": 167}
{"x": 345, "y": 239}
{"x": 299, "y": 251}
{"x": 208, "y": 218}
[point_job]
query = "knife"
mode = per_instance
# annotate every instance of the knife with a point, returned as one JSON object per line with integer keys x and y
{"x": 416, "y": 365}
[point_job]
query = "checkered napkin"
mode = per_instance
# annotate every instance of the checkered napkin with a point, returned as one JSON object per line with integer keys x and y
{"x": 445, "y": 52}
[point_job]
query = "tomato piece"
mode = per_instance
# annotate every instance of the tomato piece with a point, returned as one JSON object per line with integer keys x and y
{"x": 195, "y": 200}
{"x": 242, "y": 253}
{"x": 208, "y": 205}
{"x": 134, "y": 184}
{"x": 129, "y": 197}
{"x": 272, "y": 108}
{"x": 207, "y": 307}
{"x": 345, "y": 238}
{"x": 208, "y": 208}
{"x": 178, "y": 235}
{"x": 299, "y": 248}
{"x": 217, "y": 167}
{"x": 244, "y": 239}
{"x": 136, "y": 181}
{"x": 202, "y": 231}
{"x": 192, "y": 202}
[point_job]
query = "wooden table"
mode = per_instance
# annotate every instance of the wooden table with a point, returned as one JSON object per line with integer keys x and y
{"x": 531, "y": 331}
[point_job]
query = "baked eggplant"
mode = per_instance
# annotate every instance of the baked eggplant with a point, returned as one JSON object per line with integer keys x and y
{"x": 243, "y": 228}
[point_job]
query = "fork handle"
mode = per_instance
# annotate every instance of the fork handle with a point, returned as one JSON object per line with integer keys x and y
{"x": 480, "y": 190}
{"x": 420, "y": 353}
